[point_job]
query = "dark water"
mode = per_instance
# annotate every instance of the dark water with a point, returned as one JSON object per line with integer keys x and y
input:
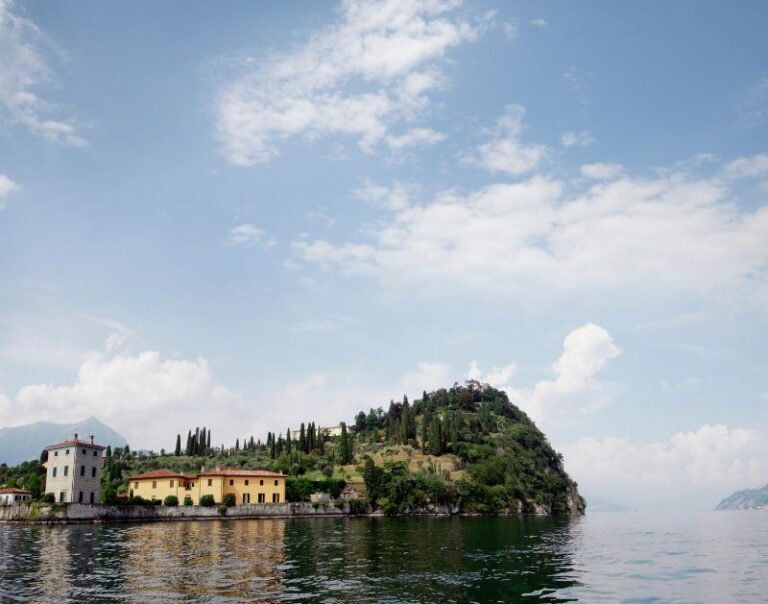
{"x": 603, "y": 557}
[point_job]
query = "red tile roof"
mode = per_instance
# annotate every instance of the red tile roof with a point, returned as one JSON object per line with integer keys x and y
{"x": 14, "y": 491}
{"x": 158, "y": 474}
{"x": 78, "y": 443}
{"x": 240, "y": 472}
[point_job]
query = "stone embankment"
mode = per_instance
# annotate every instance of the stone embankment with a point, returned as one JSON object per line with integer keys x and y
{"x": 78, "y": 512}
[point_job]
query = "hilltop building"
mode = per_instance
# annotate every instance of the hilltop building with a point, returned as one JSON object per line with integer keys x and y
{"x": 248, "y": 486}
{"x": 325, "y": 431}
{"x": 73, "y": 471}
{"x": 9, "y": 496}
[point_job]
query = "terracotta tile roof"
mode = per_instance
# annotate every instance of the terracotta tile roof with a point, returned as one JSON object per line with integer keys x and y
{"x": 159, "y": 474}
{"x": 14, "y": 491}
{"x": 240, "y": 472}
{"x": 78, "y": 443}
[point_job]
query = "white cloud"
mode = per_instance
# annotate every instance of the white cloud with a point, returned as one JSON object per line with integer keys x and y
{"x": 23, "y": 71}
{"x": 601, "y": 171}
{"x": 7, "y": 187}
{"x": 752, "y": 107}
{"x": 247, "y": 234}
{"x": 540, "y": 23}
{"x": 510, "y": 29}
{"x": 583, "y": 138}
{"x": 504, "y": 152}
{"x": 415, "y": 137}
{"x": 698, "y": 467}
{"x": 528, "y": 239}
{"x": 428, "y": 376}
{"x": 394, "y": 198}
{"x": 575, "y": 387}
{"x": 746, "y": 167}
{"x": 578, "y": 82}
{"x": 143, "y": 396}
{"x": 374, "y": 67}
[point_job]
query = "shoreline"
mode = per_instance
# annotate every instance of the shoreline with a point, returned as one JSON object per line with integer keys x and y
{"x": 77, "y": 513}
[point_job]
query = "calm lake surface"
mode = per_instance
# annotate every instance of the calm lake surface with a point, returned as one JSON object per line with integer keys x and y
{"x": 603, "y": 557}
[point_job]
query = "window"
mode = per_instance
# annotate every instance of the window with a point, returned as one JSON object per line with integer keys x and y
{"x": 55, "y": 453}
{"x": 66, "y": 452}
{"x": 54, "y": 472}
{"x": 261, "y": 497}
{"x": 95, "y": 453}
{"x": 210, "y": 482}
{"x": 154, "y": 484}
{"x": 275, "y": 483}
{"x": 83, "y": 451}
{"x": 275, "y": 498}
{"x": 246, "y": 482}
{"x": 246, "y": 498}
{"x": 93, "y": 472}
{"x": 261, "y": 483}
{"x": 66, "y": 470}
{"x": 92, "y": 496}
{"x": 135, "y": 485}
{"x": 82, "y": 470}
{"x": 171, "y": 484}
{"x": 80, "y": 497}
{"x": 231, "y": 482}
{"x": 61, "y": 496}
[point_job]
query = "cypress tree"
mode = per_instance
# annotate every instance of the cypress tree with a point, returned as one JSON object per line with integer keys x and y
{"x": 436, "y": 437}
{"x": 237, "y": 444}
{"x": 424, "y": 430}
{"x": 302, "y": 439}
{"x": 177, "y": 450}
{"x": 288, "y": 441}
{"x": 189, "y": 442}
{"x": 346, "y": 449}
{"x": 208, "y": 442}
{"x": 405, "y": 420}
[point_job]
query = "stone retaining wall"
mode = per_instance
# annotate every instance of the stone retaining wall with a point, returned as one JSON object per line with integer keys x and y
{"x": 80, "y": 512}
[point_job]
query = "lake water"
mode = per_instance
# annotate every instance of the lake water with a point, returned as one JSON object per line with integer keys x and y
{"x": 602, "y": 557}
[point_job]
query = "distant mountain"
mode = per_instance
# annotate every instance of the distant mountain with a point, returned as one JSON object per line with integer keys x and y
{"x": 23, "y": 443}
{"x": 748, "y": 499}
{"x": 598, "y": 505}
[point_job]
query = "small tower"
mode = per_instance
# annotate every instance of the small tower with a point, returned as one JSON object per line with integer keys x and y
{"x": 73, "y": 471}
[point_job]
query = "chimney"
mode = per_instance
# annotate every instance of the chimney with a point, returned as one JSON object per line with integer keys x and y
{"x": 91, "y": 437}
{"x": 75, "y": 436}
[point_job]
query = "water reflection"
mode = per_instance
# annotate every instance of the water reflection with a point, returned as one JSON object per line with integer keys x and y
{"x": 310, "y": 560}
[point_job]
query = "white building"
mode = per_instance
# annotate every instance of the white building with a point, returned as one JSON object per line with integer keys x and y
{"x": 73, "y": 471}
{"x": 10, "y": 495}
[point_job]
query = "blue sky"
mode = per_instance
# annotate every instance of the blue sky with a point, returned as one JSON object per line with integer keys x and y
{"x": 254, "y": 214}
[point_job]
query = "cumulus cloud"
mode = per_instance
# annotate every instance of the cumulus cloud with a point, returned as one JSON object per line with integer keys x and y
{"x": 574, "y": 388}
{"x": 540, "y": 23}
{"x": 23, "y": 71}
{"x": 601, "y": 171}
{"x": 143, "y": 396}
{"x": 375, "y": 66}
{"x": 7, "y": 187}
{"x": 248, "y": 234}
{"x": 708, "y": 462}
{"x": 415, "y": 137}
{"x": 583, "y": 138}
{"x": 393, "y": 198}
{"x": 675, "y": 232}
{"x": 504, "y": 152}
{"x": 746, "y": 167}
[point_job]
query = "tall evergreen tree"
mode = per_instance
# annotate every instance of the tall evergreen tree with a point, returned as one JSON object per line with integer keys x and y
{"x": 177, "y": 450}
{"x": 345, "y": 453}
{"x": 424, "y": 432}
{"x": 288, "y": 441}
{"x": 237, "y": 444}
{"x": 436, "y": 437}
{"x": 189, "y": 442}
{"x": 302, "y": 438}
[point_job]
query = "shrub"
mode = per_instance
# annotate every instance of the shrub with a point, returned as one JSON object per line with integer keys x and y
{"x": 357, "y": 506}
{"x": 223, "y": 510}
{"x": 49, "y": 498}
{"x": 138, "y": 500}
{"x": 327, "y": 471}
{"x": 171, "y": 501}
{"x": 187, "y": 500}
{"x": 207, "y": 501}
{"x": 229, "y": 500}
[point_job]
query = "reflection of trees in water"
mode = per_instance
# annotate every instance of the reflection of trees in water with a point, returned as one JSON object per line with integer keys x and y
{"x": 429, "y": 559}
{"x": 224, "y": 559}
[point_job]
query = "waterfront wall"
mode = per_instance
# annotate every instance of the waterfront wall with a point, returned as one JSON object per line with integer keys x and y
{"x": 74, "y": 512}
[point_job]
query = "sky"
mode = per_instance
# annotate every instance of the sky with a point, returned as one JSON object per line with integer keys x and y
{"x": 247, "y": 215}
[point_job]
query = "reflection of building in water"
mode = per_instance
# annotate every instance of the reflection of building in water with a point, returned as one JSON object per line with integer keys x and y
{"x": 247, "y": 486}
{"x": 239, "y": 559}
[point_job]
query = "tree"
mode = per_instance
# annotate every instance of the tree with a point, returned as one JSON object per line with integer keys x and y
{"x": 171, "y": 501}
{"x": 177, "y": 451}
{"x": 424, "y": 432}
{"x": 436, "y": 437}
{"x": 345, "y": 453}
{"x": 302, "y": 439}
{"x": 288, "y": 441}
{"x": 360, "y": 422}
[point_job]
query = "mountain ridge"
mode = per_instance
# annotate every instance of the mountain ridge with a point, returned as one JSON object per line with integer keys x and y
{"x": 746, "y": 499}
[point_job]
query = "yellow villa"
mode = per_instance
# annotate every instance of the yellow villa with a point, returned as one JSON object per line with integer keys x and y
{"x": 248, "y": 486}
